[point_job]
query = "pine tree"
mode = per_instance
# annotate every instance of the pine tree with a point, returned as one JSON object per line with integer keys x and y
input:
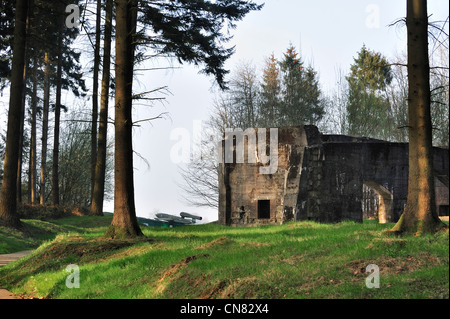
{"x": 52, "y": 40}
{"x": 32, "y": 174}
{"x": 314, "y": 107}
{"x": 6, "y": 31}
{"x": 420, "y": 214}
{"x": 8, "y": 195}
{"x": 95, "y": 92}
{"x": 100, "y": 168}
{"x": 46, "y": 102}
{"x": 301, "y": 92}
{"x": 270, "y": 95}
{"x": 191, "y": 31}
{"x": 55, "y": 158}
{"x": 368, "y": 110}
{"x": 292, "y": 69}
{"x": 124, "y": 223}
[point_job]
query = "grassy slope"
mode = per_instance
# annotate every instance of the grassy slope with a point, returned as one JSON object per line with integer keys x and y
{"x": 295, "y": 260}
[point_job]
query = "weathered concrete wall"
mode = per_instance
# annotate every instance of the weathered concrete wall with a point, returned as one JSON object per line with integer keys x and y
{"x": 336, "y": 170}
{"x": 321, "y": 178}
{"x": 340, "y": 172}
{"x": 242, "y": 185}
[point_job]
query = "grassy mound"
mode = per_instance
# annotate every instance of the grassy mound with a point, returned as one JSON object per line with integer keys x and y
{"x": 49, "y": 212}
{"x": 35, "y": 231}
{"x": 295, "y": 260}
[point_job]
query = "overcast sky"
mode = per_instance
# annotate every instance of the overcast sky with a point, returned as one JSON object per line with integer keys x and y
{"x": 327, "y": 33}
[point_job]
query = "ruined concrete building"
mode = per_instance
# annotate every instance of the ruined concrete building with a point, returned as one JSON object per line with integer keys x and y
{"x": 319, "y": 177}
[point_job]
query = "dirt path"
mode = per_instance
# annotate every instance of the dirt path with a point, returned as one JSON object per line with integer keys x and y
{"x": 6, "y": 259}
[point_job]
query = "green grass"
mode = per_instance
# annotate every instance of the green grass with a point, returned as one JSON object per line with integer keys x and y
{"x": 294, "y": 260}
{"x": 35, "y": 232}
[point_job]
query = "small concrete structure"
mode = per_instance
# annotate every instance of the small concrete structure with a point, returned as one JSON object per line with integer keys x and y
{"x": 319, "y": 177}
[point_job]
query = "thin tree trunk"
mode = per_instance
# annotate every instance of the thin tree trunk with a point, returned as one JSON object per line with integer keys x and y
{"x": 8, "y": 196}
{"x": 55, "y": 162}
{"x": 33, "y": 175}
{"x": 22, "y": 116}
{"x": 22, "y": 124}
{"x": 45, "y": 128}
{"x": 124, "y": 223}
{"x": 420, "y": 215}
{"x": 99, "y": 180}
{"x": 95, "y": 94}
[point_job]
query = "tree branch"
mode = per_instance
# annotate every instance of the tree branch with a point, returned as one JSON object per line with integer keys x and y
{"x": 159, "y": 116}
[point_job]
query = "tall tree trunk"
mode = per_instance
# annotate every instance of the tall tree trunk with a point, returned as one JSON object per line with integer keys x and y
{"x": 8, "y": 196}
{"x": 21, "y": 128}
{"x": 33, "y": 175}
{"x": 55, "y": 162}
{"x": 22, "y": 116}
{"x": 95, "y": 94}
{"x": 124, "y": 223}
{"x": 420, "y": 215}
{"x": 45, "y": 128}
{"x": 100, "y": 168}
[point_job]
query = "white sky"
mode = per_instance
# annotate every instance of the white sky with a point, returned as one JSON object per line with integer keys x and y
{"x": 328, "y": 34}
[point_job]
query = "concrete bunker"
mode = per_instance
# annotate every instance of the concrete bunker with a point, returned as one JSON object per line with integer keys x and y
{"x": 320, "y": 177}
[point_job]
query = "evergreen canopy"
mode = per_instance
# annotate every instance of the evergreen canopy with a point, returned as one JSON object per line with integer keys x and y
{"x": 194, "y": 31}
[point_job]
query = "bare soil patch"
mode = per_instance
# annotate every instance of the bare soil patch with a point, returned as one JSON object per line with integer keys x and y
{"x": 393, "y": 265}
{"x": 173, "y": 272}
{"x": 219, "y": 242}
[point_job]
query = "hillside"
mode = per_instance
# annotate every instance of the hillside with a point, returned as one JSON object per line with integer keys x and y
{"x": 294, "y": 260}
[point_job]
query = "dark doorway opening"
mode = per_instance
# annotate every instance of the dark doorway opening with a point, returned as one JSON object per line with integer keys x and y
{"x": 443, "y": 210}
{"x": 264, "y": 208}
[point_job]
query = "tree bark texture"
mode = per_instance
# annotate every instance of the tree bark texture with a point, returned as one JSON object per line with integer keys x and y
{"x": 100, "y": 167}
{"x": 22, "y": 124}
{"x": 46, "y": 102}
{"x": 124, "y": 223}
{"x": 22, "y": 116}
{"x": 420, "y": 215}
{"x": 32, "y": 172}
{"x": 8, "y": 196}
{"x": 55, "y": 162}
{"x": 95, "y": 94}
